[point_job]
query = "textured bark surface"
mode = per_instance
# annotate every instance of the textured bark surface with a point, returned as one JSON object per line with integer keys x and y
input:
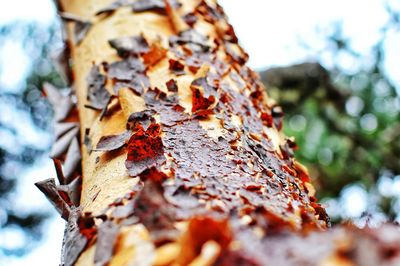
{"x": 183, "y": 162}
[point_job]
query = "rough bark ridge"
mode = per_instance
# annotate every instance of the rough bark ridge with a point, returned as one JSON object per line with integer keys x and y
{"x": 182, "y": 159}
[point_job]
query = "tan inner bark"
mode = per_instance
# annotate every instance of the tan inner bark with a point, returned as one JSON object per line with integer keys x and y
{"x": 105, "y": 181}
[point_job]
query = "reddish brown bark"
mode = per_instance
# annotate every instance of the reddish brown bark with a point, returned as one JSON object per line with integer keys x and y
{"x": 183, "y": 161}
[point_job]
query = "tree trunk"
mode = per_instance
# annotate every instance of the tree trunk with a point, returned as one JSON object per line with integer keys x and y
{"x": 183, "y": 162}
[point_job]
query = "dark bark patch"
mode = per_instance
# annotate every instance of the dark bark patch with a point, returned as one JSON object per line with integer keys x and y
{"x": 74, "y": 242}
{"x": 124, "y": 211}
{"x": 217, "y": 230}
{"x": 129, "y": 73}
{"x": 61, "y": 128}
{"x": 210, "y": 14}
{"x": 145, "y": 150}
{"x": 236, "y": 257}
{"x": 142, "y": 119}
{"x": 81, "y": 26}
{"x": 86, "y": 225}
{"x": 176, "y": 67}
{"x": 201, "y": 104}
{"x": 72, "y": 160}
{"x": 137, "y": 84}
{"x": 71, "y": 193}
{"x": 106, "y": 239}
{"x": 48, "y": 187}
{"x": 287, "y": 149}
{"x": 157, "y": 6}
{"x": 172, "y": 86}
{"x": 59, "y": 171}
{"x": 155, "y": 212}
{"x": 166, "y": 106}
{"x": 197, "y": 42}
{"x": 236, "y": 52}
{"x": 87, "y": 141}
{"x": 154, "y": 55}
{"x": 113, "y": 142}
{"x": 267, "y": 119}
{"x": 277, "y": 115}
{"x": 61, "y": 145}
{"x": 190, "y": 19}
{"x": 149, "y": 5}
{"x": 230, "y": 35}
{"x": 97, "y": 95}
{"x": 62, "y": 63}
{"x": 62, "y": 105}
{"x": 203, "y": 96}
{"x": 130, "y": 45}
{"x": 110, "y": 9}
{"x": 125, "y": 69}
{"x": 172, "y": 115}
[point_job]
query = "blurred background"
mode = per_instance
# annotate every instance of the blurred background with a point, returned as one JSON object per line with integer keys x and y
{"x": 334, "y": 66}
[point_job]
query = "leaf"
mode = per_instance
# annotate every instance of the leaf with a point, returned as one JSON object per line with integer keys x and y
{"x": 129, "y": 45}
{"x": 97, "y": 95}
{"x": 113, "y": 142}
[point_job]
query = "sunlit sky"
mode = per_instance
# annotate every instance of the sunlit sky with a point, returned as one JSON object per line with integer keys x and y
{"x": 270, "y": 31}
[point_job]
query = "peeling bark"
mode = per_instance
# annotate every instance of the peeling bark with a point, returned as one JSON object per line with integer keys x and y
{"x": 189, "y": 165}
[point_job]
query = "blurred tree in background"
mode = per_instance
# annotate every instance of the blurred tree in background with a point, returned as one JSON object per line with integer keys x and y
{"x": 347, "y": 126}
{"x": 24, "y": 121}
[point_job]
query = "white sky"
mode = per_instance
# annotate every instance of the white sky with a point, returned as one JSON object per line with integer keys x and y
{"x": 269, "y": 31}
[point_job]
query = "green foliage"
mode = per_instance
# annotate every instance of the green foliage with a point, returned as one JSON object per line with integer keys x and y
{"x": 346, "y": 125}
